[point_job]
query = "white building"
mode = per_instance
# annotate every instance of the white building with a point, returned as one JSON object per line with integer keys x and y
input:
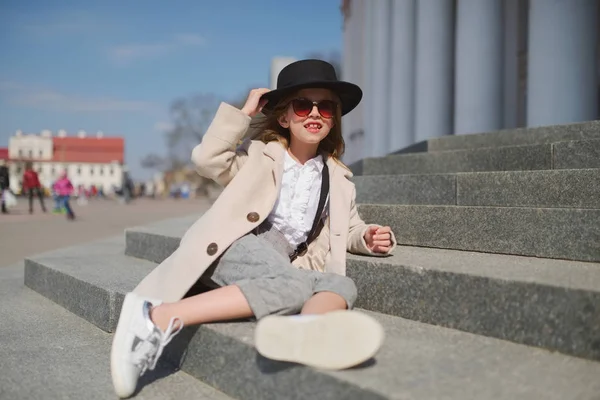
{"x": 440, "y": 67}
{"x": 88, "y": 160}
{"x": 277, "y": 64}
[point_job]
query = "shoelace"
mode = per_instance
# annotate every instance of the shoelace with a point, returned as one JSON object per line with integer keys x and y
{"x": 146, "y": 355}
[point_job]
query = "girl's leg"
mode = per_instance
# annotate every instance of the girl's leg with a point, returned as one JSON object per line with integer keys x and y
{"x": 67, "y": 206}
{"x": 337, "y": 339}
{"x": 40, "y": 195}
{"x": 332, "y": 292}
{"x": 3, "y": 200}
{"x": 252, "y": 270}
{"x": 255, "y": 275}
{"x": 30, "y": 195}
{"x": 220, "y": 304}
{"x": 324, "y": 302}
{"x": 63, "y": 209}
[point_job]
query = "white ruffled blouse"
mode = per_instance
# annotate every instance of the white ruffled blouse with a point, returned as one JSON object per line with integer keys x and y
{"x": 295, "y": 209}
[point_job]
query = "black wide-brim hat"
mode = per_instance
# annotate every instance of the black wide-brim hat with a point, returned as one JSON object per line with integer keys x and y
{"x": 306, "y": 74}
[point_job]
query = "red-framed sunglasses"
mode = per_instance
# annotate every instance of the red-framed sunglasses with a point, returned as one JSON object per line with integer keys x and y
{"x": 303, "y": 107}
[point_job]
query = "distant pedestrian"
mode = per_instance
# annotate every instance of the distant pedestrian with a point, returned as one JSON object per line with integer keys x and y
{"x": 58, "y": 208}
{"x": 32, "y": 186}
{"x": 4, "y": 184}
{"x": 64, "y": 189}
{"x": 127, "y": 186}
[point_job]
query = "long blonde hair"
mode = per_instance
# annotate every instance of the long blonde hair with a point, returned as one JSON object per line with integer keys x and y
{"x": 267, "y": 129}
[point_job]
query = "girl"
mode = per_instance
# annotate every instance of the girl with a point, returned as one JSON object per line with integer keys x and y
{"x": 63, "y": 189}
{"x": 274, "y": 243}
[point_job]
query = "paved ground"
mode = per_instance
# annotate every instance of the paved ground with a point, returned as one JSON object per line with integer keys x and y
{"x": 47, "y": 352}
{"x": 22, "y": 234}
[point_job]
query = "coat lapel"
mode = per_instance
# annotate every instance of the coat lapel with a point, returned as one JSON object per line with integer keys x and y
{"x": 275, "y": 151}
{"x": 338, "y": 197}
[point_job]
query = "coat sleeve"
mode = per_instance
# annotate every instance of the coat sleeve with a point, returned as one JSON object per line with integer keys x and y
{"x": 356, "y": 234}
{"x": 218, "y": 156}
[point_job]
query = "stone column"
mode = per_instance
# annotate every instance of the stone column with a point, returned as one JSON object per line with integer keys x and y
{"x": 402, "y": 79}
{"x": 511, "y": 62}
{"x": 348, "y": 71}
{"x": 434, "y": 69}
{"x": 377, "y": 105}
{"x": 478, "y": 94}
{"x": 353, "y": 70}
{"x": 562, "y": 63}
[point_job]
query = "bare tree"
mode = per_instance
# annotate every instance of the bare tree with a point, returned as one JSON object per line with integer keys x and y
{"x": 153, "y": 161}
{"x": 191, "y": 117}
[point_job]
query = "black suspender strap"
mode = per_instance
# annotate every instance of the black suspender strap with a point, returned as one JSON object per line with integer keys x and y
{"x": 303, "y": 247}
{"x": 322, "y": 199}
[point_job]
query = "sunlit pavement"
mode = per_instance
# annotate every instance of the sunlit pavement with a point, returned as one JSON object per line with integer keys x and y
{"x": 23, "y": 234}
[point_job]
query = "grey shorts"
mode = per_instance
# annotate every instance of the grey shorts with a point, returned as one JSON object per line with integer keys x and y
{"x": 270, "y": 283}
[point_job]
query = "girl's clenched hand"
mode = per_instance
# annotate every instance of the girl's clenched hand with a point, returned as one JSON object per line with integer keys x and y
{"x": 378, "y": 239}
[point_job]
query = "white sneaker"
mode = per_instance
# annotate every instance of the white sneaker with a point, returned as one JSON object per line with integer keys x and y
{"x": 137, "y": 343}
{"x": 336, "y": 340}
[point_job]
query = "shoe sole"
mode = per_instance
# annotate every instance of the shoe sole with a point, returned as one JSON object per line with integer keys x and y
{"x": 336, "y": 340}
{"x": 122, "y": 389}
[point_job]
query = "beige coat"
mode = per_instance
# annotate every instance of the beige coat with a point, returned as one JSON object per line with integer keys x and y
{"x": 251, "y": 176}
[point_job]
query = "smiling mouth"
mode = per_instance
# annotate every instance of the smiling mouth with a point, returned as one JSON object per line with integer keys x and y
{"x": 313, "y": 127}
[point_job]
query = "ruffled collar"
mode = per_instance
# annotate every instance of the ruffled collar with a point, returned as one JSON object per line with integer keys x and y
{"x": 315, "y": 164}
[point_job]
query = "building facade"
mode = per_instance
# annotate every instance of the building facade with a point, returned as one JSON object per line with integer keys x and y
{"x": 430, "y": 68}
{"x": 88, "y": 160}
{"x": 277, "y": 64}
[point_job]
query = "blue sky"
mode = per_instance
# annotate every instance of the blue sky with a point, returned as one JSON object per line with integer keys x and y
{"x": 115, "y": 66}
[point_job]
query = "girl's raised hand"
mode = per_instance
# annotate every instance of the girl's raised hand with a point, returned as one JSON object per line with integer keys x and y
{"x": 254, "y": 103}
{"x": 378, "y": 239}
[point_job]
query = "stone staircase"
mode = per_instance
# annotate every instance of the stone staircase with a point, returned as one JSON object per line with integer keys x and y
{"x": 493, "y": 293}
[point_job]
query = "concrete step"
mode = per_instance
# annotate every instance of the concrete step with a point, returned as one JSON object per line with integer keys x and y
{"x": 577, "y": 154}
{"x": 576, "y": 188}
{"x": 560, "y": 233}
{"x": 416, "y": 361}
{"x": 512, "y": 137}
{"x": 563, "y": 233}
{"x": 49, "y": 353}
{"x": 561, "y": 155}
{"x": 540, "y": 302}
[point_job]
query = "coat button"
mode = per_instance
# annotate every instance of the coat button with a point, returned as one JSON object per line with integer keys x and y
{"x": 212, "y": 249}
{"x": 253, "y": 217}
